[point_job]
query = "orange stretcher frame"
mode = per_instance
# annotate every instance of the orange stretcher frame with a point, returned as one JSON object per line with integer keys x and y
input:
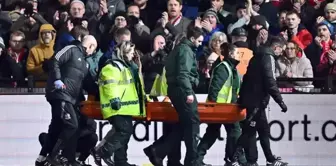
{"x": 165, "y": 112}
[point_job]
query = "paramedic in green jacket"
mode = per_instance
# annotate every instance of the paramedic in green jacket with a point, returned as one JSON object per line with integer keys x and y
{"x": 121, "y": 98}
{"x": 224, "y": 88}
{"x": 182, "y": 78}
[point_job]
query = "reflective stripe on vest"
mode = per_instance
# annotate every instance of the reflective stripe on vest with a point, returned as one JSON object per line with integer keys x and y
{"x": 112, "y": 81}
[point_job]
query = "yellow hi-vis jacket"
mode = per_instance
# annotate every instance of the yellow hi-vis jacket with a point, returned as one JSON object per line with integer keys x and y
{"x": 116, "y": 82}
{"x": 160, "y": 86}
{"x": 225, "y": 94}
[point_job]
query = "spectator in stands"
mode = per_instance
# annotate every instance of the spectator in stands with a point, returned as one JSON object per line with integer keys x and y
{"x": 93, "y": 7}
{"x": 77, "y": 33}
{"x": 224, "y": 16}
{"x": 119, "y": 20}
{"x": 57, "y": 12}
{"x": 37, "y": 62}
{"x": 29, "y": 23}
{"x": 120, "y": 35}
{"x": 153, "y": 62}
{"x": 3, "y": 73}
{"x": 239, "y": 37}
{"x": 6, "y": 24}
{"x": 258, "y": 32}
{"x": 216, "y": 40}
{"x": 148, "y": 14}
{"x": 14, "y": 62}
{"x": 329, "y": 14}
{"x": 281, "y": 24}
{"x": 141, "y": 28}
{"x": 243, "y": 18}
{"x": 172, "y": 22}
{"x": 304, "y": 11}
{"x": 294, "y": 64}
{"x": 296, "y": 30}
{"x": 210, "y": 24}
{"x": 267, "y": 9}
{"x": 319, "y": 50}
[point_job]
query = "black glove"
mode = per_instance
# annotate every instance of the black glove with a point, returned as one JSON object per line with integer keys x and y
{"x": 283, "y": 107}
{"x": 45, "y": 65}
{"x": 116, "y": 104}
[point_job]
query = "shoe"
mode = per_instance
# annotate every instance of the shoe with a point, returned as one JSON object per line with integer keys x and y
{"x": 235, "y": 163}
{"x": 204, "y": 164}
{"x": 82, "y": 163}
{"x": 174, "y": 164}
{"x": 151, "y": 154}
{"x": 58, "y": 160}
{"x": 127, "y": 164}
{"x": 42, "y": 163}
{"x": 101, "y": 152}
{"x": 251, "y": 164}
{"x": 277, "y": 163}
{"x": 76, "y": 163}
{"x": 97, "y": 158}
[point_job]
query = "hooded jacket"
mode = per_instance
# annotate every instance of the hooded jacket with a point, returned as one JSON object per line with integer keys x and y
{"x": 259, "y": 81}
{"x": 42, "y": 51}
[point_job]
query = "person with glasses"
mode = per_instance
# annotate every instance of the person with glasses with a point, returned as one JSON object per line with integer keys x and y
{"x": 257, "y": 87}
{"x": 293, "y": 64}
{"x": 15, "y": 59}
{"x": 121, "y": 97}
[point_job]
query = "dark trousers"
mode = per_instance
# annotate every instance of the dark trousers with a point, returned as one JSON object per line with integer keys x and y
{"x": 174, "y": 155}
{"x": 84, "y": 144}
{"x": 62, "y": 129}
{"x": 169, "y": 144}
{"x": 189, "y": 122}
{"x": 213, "y": 132}
{"x": 117, "y": 141}
{"x": 248, "y": 138}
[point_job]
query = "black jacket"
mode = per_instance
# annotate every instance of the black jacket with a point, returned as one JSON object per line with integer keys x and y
{"x": 259, "y": 82}
{"x": 69, "y": 66}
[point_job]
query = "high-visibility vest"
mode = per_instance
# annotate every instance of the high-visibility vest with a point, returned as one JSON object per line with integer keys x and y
{"x": 116, "y": 82}
{"x": 225, "y": 94}
{"x": 160, "y": 86}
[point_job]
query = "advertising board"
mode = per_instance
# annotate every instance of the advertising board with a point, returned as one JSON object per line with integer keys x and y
{"x": 304, "y": 136}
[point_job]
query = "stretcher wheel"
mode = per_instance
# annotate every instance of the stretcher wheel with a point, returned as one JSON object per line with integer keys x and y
{"x": 164, "y": 111}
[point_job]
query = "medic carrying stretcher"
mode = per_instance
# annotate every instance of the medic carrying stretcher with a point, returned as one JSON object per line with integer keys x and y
{"x": 165, "y": 112}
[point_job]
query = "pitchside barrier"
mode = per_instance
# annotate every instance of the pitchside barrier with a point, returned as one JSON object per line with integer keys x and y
{"x": 305, "y": 135}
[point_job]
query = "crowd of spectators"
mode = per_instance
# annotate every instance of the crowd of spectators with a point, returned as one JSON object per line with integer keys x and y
{"x": 33, "y": 30}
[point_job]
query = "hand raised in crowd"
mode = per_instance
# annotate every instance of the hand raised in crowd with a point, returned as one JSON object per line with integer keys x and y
{"x": 198, "y": 21}
{"x": 262, "y": 36}
{"x": 206, "y": 25}
{"x": 319, "y": 19}
{"x": 164, "y": 19}
{"x": 318, "y": 41}
{"x": 331, "y": 56}
{"x": 56, "y": 17}
{"x": 213, "y": 6}
{"x": 297, "y": 7}
{"x": 284, "y": 34}
{"x": 103, "y": 8}
{"x": 70, "y": 25}
{"x": 137, "y": 60}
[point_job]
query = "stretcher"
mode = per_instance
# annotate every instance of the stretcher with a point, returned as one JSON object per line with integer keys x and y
{"x": 165, "y": 112}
